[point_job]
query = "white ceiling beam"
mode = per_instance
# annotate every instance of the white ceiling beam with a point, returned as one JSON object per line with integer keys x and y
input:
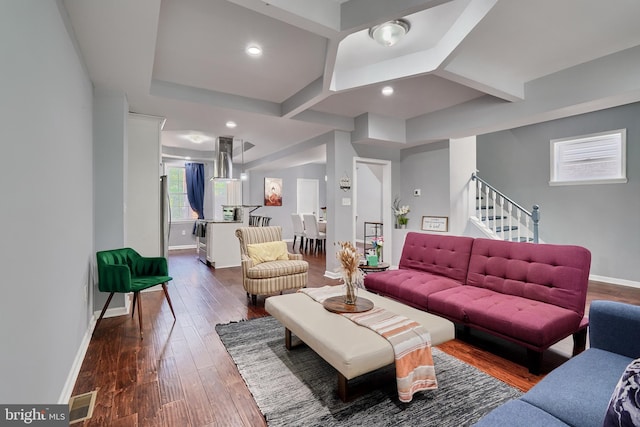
{"x": 359, "y": 14}
{"x": 214, "y": 98}
{"x": 332, "y": 120}
{"x": 417, "y": 63}
{"x": 318, "y": 17}
{"x": 602, "y": 83}
{"x": 509, "y": 91}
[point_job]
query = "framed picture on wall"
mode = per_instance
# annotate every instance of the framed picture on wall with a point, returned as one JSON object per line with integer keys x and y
{"x": 435, "y": 223}
{"x": 273, "y": 191}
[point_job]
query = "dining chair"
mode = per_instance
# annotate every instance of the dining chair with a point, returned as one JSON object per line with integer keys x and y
{"x": 124, "y": 271}
{"x": 312, "y": 233}
{"x": 298, "y": 229}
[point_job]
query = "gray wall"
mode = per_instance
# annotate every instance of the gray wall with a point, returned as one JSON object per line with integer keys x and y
{"x": 110, "y": 111}
{"x": 253, "y": 193}
{"x": 47, "y": 175}
{"x": 603, "y": 218}
{"x": 426, "y": 168}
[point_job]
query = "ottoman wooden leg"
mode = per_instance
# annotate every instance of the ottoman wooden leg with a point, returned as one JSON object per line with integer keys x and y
{"x": 287, "y": 338}
{"x": 343, "y": 387}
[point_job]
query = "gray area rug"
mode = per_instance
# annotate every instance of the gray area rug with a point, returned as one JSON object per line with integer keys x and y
{"x": 298, "y": 388}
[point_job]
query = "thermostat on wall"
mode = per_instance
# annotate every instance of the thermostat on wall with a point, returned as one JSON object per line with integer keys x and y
{"x": 416, "y": 192}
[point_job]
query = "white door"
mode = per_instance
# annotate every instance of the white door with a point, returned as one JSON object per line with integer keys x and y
{"x": 308, "y": 196}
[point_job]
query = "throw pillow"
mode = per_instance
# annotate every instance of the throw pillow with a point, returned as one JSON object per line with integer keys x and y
{"x": 269, "y": 251}
{"x": 624, "y": 406}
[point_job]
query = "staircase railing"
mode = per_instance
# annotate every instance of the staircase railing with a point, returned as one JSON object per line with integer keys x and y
{"x": 503, "y": 216}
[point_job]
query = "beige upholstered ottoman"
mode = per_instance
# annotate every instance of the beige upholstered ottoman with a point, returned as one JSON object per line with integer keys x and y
{"x": 351, "y": 349}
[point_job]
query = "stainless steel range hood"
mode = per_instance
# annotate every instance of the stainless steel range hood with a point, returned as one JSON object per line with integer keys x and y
{"x": 223, "y": 165}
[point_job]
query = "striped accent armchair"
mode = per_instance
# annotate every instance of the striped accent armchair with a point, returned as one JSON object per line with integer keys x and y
{"x": 269, "y": 277}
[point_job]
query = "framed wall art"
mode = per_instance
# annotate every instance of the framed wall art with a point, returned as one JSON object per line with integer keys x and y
{"x": 435, "y": 223}
{"x": 273, "y": 191}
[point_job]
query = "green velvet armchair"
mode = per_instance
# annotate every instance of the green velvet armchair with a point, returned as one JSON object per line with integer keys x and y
{"x": 125, "y": 270}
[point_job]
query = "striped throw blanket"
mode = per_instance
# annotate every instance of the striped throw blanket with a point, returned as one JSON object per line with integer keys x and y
{"x": 410, "y": 340}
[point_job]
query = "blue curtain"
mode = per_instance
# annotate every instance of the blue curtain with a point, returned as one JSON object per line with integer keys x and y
{"x": 194, "y": 174}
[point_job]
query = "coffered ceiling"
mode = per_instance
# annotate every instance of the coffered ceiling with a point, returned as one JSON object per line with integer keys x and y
{"x": 465, "y": 66}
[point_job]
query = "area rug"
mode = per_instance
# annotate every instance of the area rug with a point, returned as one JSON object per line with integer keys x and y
{"x": 298, "y": 388}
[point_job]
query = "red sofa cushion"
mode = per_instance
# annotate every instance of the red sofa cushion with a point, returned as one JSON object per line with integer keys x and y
{"x": 554, "y": 274}
{"x": 444, "y": 255}
{"x": 412, "y": 287}
{"x": 528, "y": 321}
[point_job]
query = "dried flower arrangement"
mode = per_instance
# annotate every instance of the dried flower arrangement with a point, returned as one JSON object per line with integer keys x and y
{"x": 349, "y": 265}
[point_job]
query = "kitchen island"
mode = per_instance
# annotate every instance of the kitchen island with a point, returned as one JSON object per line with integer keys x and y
{"x": 219, "y": 247}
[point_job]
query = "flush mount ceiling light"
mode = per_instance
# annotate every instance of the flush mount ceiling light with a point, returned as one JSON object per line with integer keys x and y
{"x": 387, "y": 91}
{"x": 253, "y": 50}
{"x": 196, "y": 138}
{"x": 390, "y": 33}
{"x": 231, "y": 124}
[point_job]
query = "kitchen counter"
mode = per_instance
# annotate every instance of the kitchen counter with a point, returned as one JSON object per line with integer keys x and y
{"x": 219, "y": 248}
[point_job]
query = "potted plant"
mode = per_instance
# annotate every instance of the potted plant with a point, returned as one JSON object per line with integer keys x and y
{"x": 400, "y": 211}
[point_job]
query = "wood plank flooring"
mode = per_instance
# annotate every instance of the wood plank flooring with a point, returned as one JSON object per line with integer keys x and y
{"x": 181, "y": 375}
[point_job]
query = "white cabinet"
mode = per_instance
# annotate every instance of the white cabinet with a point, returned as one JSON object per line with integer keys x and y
{"x": 223, "y": 247}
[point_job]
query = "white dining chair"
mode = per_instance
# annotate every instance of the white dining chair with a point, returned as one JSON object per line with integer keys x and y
{"x": 312, "y": 233}
{"x": 298, "y": 230}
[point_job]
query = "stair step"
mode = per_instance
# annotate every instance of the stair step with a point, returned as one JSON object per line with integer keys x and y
{"x": 493, "y": 217}
{"x": 521, "y": 239}
{"x": 506, "y": 228}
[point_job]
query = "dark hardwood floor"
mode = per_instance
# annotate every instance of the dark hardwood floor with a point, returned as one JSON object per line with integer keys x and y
{"x": 181, "y": 374}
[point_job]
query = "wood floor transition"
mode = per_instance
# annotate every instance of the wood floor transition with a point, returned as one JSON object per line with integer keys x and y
{"x": 181, "y": 374}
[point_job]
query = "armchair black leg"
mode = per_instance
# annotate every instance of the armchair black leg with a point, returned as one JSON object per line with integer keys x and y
{"x": 136, "y": 296}
{"x": 254, "y": 299}
{"x": 103, "y": 310}
{"x": 133, "y": 307}
{"x": 166, "y": 294}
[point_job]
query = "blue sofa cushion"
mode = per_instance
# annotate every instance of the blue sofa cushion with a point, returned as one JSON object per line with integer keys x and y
{"x": 578, "y": 391}
{"x": 624, "y": 406}
{"x": 517, "y": 413}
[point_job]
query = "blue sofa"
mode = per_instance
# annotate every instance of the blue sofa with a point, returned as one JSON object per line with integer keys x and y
{"x": 577, "y": 393}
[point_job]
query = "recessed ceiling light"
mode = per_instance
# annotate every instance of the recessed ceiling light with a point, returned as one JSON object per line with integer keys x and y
{"x": 390, "y": 33}
{"x": 387, "y": 91}
{"x": 231, "y": 124}
{"x": 196, "y": 138}
{"x": 254, "y": 50}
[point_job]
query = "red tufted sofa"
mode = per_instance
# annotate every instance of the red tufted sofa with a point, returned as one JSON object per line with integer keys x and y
{"x": 531, "y": 294}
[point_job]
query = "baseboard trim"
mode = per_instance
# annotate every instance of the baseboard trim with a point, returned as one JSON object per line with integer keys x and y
{"x": 332, "y": 274}
{"x": 614, "y": 281}
{"x": 70, "y": 383}
{"x": 179, "y": 247}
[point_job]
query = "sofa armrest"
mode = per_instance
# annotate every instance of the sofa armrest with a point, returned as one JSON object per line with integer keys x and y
{"x": 614, "y": 326}
{"x": 295, "y": 256}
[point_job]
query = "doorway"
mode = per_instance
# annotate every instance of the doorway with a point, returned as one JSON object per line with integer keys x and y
{"x": 372, "y": 199}
{"x": 308, "y": 196}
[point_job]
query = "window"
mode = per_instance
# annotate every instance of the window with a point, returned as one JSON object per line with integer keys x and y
{"x": 598, "y": 158}
{"x": 178, "y": 201}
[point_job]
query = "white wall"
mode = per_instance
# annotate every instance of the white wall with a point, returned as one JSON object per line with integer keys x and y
{"x": 47, "y": 212}
{"x": 369, "y": 197}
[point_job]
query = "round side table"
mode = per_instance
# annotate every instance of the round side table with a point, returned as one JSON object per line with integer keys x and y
{"x": 382, "y": 266}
